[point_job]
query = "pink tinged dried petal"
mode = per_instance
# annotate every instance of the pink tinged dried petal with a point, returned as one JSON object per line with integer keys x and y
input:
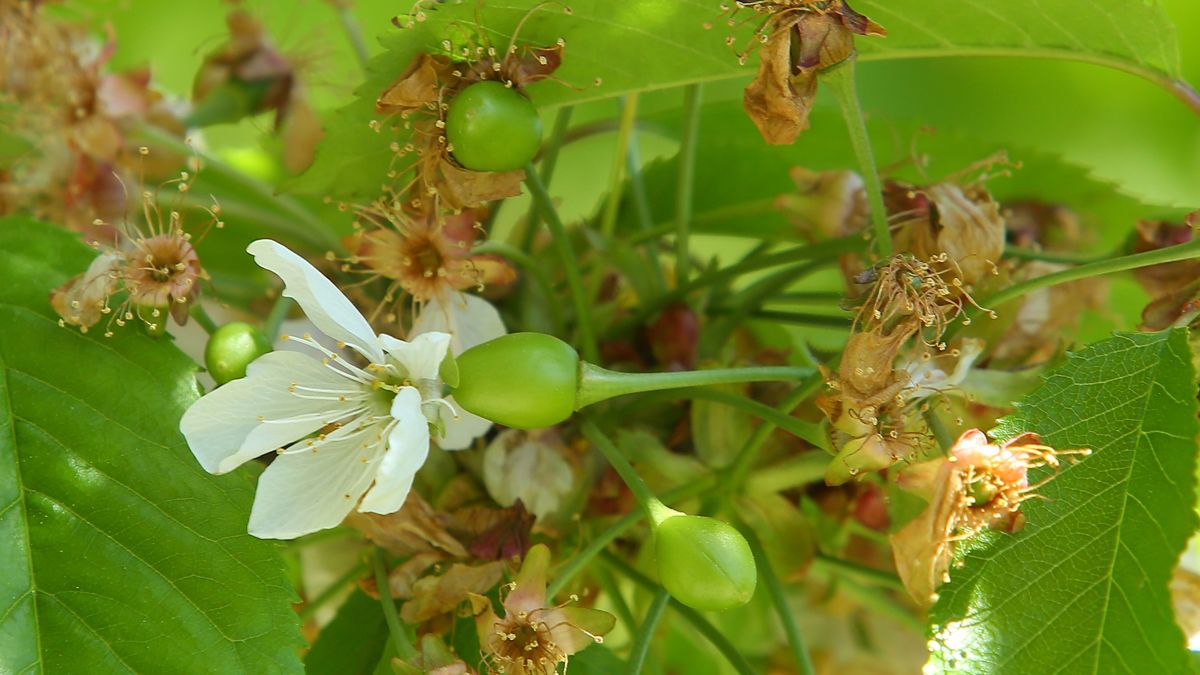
{"x": 322, "y": 302}
{"x": 407, "y": 448}
{"x": 530, "y": 591}
{"x": 922, "y": 548}
{"x": 259, "y": 413}
{"x": 314, "y": 489}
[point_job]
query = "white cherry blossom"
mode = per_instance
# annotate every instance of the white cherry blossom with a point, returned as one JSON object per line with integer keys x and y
{"x": 349, "y": 433}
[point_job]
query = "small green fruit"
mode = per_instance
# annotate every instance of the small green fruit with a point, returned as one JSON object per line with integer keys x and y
{"x": 523, "y": 380}
{"x": 704, "y": 563}
{"x": 492, "y": 127}
{"x": 231, "y": 348}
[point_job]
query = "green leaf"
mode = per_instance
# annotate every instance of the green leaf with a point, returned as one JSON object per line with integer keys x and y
{"x": 659, "y": 44}
{"x": 353, "y": 642}
{"x": 1084, "y": 587}
{"x": 120, "y": 552}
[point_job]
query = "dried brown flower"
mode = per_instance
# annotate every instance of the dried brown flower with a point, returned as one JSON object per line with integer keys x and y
{"x": 799, "y": 38}
{"x": 980, "y": 486}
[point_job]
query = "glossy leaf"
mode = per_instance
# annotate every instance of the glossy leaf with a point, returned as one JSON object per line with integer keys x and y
{"x": 121, "y": 554}
{"x": 1084, "y": 587}
{"x": 613, "y": 49}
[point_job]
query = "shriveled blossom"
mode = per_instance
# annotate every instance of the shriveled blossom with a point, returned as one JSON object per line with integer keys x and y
{"x": 889, "y": 366}
{"x": 420, "y": 97}
{"x": 73, "y": 117}
{"x": 530, "y": 467}
{"x": 981, "y": 485}
{"x": 958, "y": 225}
{"x": 1167, "y": 278}
{"x": 347, "y": 436}
{"x": 825, "y": 203}
{"x": 533, "y": 638}
{"x": 799, "y": 38}
{"x": 429, "y": 260}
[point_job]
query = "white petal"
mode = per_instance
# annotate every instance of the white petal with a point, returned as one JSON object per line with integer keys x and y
{"x": 230, "y": 425}
{"x": 408, "y": 445}
{"x": 308, "y": 491}
{"x": 321, "y": 301}
{"x": 461, "y": 427}
{"x": 470, "y": 319}
{"x": 422, "y": 356}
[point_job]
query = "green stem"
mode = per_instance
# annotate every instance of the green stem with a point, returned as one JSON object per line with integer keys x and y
{"x": 709, "y": 631}
{"x": 580, "y": 560}
{"x": 840, "y": 80}
{"x": 775, "y": 418}
{"x": 744, "y": 211}
{"x": 201, "y": 316}
{"x": 400, "y": 638}
{"x": 583, "y": 312}
{"x": 1160, "y": 256}
{"x": 598, "y": 384}
{"x": 687, "y": 177}
{"x": 637, "y": 656}
{"x": 882, "y": 604}
{"x": 779, "y": 599}
{"x": 645, "y": 217}
{"x": 749, "y": 452}
{"x": 1053, "y": 257}
{"x": 608, "y": 584}
{"x": 616, "y": 178}
{"x": 279, "y": 312}
{"x": 870, "y": 575}
{"x": 826, "y": 251}
{"x": 804, "y": 470}
{"x": 792, "y": 318}
{"x": 331, "y": 591}
{"x": 548, "y": 161}
{"x": 646, "y": 499}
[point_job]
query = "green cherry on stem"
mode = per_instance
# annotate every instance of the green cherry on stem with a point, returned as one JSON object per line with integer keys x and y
{"x": 534, "y": 380}
{"x": 231, "y": 348}
{"x": 522, "y": 380}
{"x": 703, "y": 562}
{"x": 492, "y": 127}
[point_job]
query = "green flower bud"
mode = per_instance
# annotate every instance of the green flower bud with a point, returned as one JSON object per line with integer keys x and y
{"x": 704, "y": 563}
{"x": 523, "y": 380}
{"x": 231, "y": 348}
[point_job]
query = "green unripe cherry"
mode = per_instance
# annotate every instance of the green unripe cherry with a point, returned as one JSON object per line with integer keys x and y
{"x": 704, "y": 563}
{"x": 492, "y": 127}
{"x": 231, "y": 348}
{"x": 522, "y": 380}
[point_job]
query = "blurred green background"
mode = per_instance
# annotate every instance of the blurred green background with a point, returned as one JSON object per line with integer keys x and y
{"x": 1125, "y": 129}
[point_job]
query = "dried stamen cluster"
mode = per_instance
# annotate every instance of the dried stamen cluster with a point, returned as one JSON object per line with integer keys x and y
{"x": 874, "y": 399}
{"x": 150, "y": 269}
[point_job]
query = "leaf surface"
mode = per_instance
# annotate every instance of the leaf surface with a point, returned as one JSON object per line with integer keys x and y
{"x": 1084, "y": 587}
{"x": 120, "y": 551}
